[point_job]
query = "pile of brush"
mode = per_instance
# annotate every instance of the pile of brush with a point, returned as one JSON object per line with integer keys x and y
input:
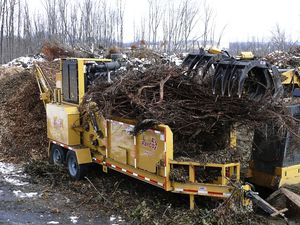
{"x": 199, "y": 120}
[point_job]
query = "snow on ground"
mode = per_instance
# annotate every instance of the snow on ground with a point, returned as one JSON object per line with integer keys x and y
{"x": 6, "y": 168}
{"x": 74, "y": 219}
{"x": 14, "y": 181}
{"x": 52, "y": 222}
{"x": 24, "y": 61}
{"x": 20, "y": 194}
{"x": 112, "y": 218}
{"x": 114, "y": 221}
{"x": 175, "y": 59}
{"x": 12, "y": 174}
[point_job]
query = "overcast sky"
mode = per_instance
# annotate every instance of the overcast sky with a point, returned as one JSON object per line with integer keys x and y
{"x": 243, "y": 19}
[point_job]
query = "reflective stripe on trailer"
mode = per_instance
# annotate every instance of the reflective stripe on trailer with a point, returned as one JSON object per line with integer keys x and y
{"x": 209, "y": 193}
{"x": 62, "y": 145}
{"x": 130, "y": 173}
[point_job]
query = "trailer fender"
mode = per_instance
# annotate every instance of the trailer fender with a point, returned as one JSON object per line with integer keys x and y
{"x": 83, "y": 155}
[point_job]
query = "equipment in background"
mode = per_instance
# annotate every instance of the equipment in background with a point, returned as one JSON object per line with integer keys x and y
{"x": 235, "y": 75}
{"x": 276, "y": 155}
{"x": 242, "y": 76}
{"x": 198, "y": 65}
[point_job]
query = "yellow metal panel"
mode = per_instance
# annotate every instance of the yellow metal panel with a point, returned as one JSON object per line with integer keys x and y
{"x": 81, "y": 89}
{"x": 91, "y": 59}
{"x": 192, "y": 202}
{"x": 191, "y": 173}
{"x": 282, "y": 176}
{"x": 168, "y": 155}
{"x": 136, "y": 173}
{"x": 290, "y": 78}
{"x": 83, "y": 155}
{"x": 151, "y": 146}
{"x": 289, "y": 175}
{"x": 204, "y": 189}
{"x": 204, "y": 164}
{"x": 60, "y": 119}
{"x": 122, "y": 143}
{"x": 58, "y": 78}
{"x": 214, "y": 50}
{"x": 246, "y": 55}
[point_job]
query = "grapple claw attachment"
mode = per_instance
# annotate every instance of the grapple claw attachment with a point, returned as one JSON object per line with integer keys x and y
{"x": 199, "y": 64}
{"x": 254, "y": 78}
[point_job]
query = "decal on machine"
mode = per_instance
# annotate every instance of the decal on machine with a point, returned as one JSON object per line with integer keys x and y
{"x": 151, "y": 144}
{"x": 57, "y": 122}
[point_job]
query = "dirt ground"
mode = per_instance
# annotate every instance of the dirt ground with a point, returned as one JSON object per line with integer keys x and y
{"x": 39, "y": 193}
{"x": 26, "y": 201}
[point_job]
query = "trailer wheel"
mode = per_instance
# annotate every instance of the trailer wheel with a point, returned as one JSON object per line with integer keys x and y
{"x": 76, "y": 171}
{"x": 57, "y": 155}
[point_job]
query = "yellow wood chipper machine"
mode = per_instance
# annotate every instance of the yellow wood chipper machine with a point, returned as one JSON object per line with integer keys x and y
{"x": 79, "y": 140}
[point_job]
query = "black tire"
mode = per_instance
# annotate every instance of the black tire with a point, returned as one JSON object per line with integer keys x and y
{"x": 57, "y": 155}
{"x": 76, "y": 171}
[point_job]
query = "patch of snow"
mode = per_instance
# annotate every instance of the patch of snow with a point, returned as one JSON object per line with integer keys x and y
{"x": 14, "y": 181}
{"x": 1, "y": 192}
{"x": 20, "y": 194}
{"x": 12, "y": 174}
{"x": 120, "y": 219}
{"x": 74, "y": 219}
{"x": 7, "y": 168}
{"x": 53, "y": 222}
{"x": 112, "y": 218}
{"x": 24, "y": 61}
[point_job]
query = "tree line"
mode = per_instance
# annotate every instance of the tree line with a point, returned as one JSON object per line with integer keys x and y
{"x": 169, "y": 26}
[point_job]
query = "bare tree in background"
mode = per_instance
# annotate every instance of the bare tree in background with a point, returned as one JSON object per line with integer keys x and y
{"x": 207, "y": 22}
{"x": 221, "y": 35}
{"x": 51, "y": 11}
{"x": 63, "y": 19}
{"x": 27, "y": 28}
{"x": 279, "y": 40}
{"x": 189, "y": 13}
{"x": 176, "y": 25}
{"x": 120, "y": 21}
{"x": 154, "y": 20}
{"x": 11, "y": 28}
{"x": 2, "y": 13}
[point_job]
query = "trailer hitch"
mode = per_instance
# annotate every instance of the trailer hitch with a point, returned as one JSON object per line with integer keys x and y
{"x": 252, "y": 196}
{"x": 265, "y": 206}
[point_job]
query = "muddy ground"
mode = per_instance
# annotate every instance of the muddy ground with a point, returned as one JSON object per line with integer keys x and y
{"x": 28, "y": 201}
